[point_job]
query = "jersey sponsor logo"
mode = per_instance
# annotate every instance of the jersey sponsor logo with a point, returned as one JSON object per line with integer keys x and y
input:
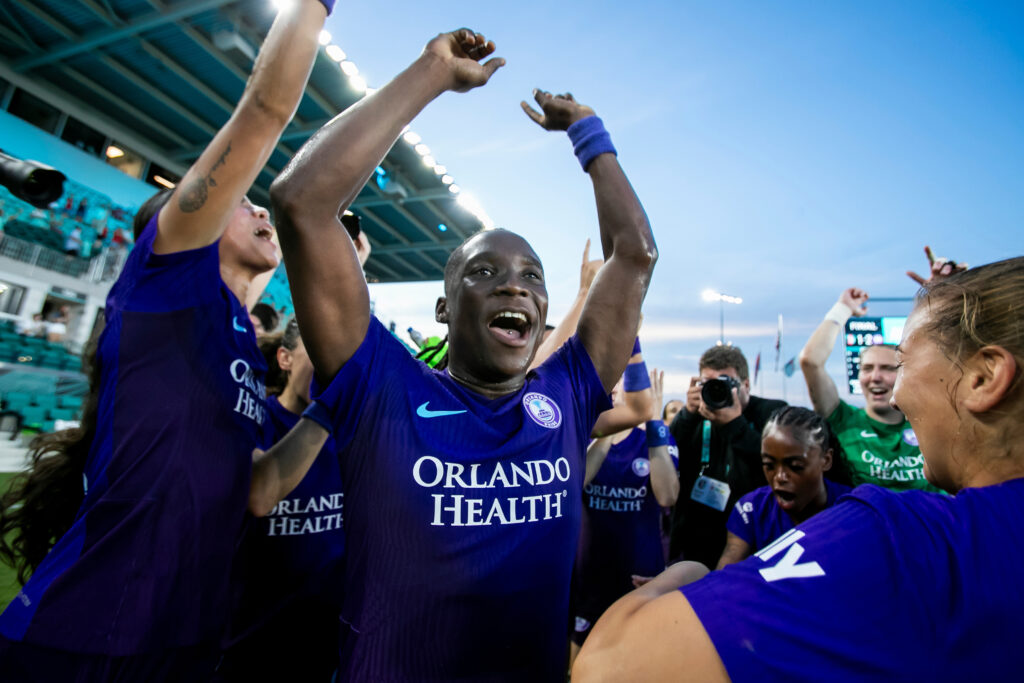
{"x": 459, "y": 509}
{"x": 251, "y": 394}
{"x": 238, "y": 328}
{"x": 789, "y": 566}
{"x": 425, "y": 412}
{"x": 542, "y": 410}
{"x": 581, "y": 624}
{"x": 615, "y": 498}
{"x": 910, "y": 438}
{"x": 865, "y": 434}
{"x": 902, "y": 468}
{"x": 305, "y": 516}
{"x": 641, "y": 467}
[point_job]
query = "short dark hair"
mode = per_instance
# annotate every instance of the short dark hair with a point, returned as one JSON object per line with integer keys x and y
{"x": 725, "y": 356}
{"x": 149, "y": 208}
{"x": 267, "y": 316}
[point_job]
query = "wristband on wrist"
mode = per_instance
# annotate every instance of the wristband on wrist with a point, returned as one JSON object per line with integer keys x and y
{"x": 590, "y": 140}
{"x": 839, "y": 313}
{"x": 635, "y": 378}
{"x": 657, "y": 434}
{"x": 317, "y": 413}
{"x": 636, "y": 347}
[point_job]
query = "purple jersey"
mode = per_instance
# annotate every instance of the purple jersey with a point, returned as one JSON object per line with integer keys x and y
{"x": 622, "y": 524}
{"x": 295, "y": 553}
{"x": 908, "y": 586}
{"x": 461, "y": 516}
{"x": 758, "y": 519}
{"x": 145, "y": 566}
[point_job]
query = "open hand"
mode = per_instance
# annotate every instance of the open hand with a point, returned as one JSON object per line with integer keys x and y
{"x": 461, "y": 51}
{"x": 588, "y": 271}
{"x": 939, "y": 269}
{"x": 657, "y": 393}
{"x": 559, "y": 111}
{"x": 855, "y": 299}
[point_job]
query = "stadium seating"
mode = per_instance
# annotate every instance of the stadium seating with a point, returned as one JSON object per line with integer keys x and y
{"x": 39, "y": 411}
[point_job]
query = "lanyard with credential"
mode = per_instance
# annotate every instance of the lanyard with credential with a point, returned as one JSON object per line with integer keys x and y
{"x": 705, "y": 449}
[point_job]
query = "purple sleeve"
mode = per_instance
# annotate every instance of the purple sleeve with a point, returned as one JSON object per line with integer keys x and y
{"x": 590, "y": 397}
{"x": 740, "y": 522}
{"x": 811, "y": 605}
{"x": 342, "y": 400}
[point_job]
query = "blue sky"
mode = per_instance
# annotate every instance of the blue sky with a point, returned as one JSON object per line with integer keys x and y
{"x": 783, "y": 151}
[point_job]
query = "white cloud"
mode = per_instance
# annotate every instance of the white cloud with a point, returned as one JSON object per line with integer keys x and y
{"x": 681, "y": 331}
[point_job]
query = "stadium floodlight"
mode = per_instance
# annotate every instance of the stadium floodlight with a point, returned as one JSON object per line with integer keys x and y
{"x": 160, "y": 180}
{"x": 325, "y": 37}
{"x": 412, "y": 138}
{"x": 422, "y": 150}
{"x": 440, "y": 170}
{"x": 710, "y": 295}
{"x": 358, "y": 83}
{"x": 349, "y": 68}
{"x": 447, "y": 179}
{"x": 114, "y": 152}
{"x": 454, "y": 189}
{"x": 473, "y": 206}
{"x": 31, "y": 181}
{"x": 335, "y": 53}
{"x": 429, "y": 161}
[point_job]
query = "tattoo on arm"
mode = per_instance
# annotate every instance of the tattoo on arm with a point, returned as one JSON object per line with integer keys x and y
{"x": 194, "y": 196}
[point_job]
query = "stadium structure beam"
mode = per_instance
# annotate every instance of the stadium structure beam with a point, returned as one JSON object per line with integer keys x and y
{"x": 49, "y": 20}
{"x": 371, "y": 202}
{"x": 22, "y": 36}
{"x": 415, "y": 247}
{"x": 398, "y": 236}
{"x": 91, "y": 41}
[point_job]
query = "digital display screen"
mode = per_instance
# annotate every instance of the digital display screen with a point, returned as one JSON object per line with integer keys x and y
{"x": 864, "y": 332}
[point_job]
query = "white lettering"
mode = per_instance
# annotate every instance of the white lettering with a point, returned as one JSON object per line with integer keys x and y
{"x": 788, "y": 567}
{"x": 438, "y": 471}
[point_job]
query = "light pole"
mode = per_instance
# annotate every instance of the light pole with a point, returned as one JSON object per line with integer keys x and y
{"x": 722, "y": 299}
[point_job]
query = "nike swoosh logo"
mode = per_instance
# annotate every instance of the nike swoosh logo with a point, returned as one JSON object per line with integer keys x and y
{"x": 423, "y": 411}
{"x": 864, "y": 434}
{"x": 234, "y": 322}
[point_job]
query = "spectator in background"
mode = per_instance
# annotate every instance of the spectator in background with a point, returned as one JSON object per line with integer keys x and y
{"x": 81, "y": 209}
{"x": 57, "y": 324}
{"x": 794, "y": 456}
{"x": 719, "y": 453}
{"x": 264, "y": 318}
{"x": 33, "y": 328}
{"x": 878, "y": 443}
{"x": 672, "y": 409}
{"x": 886, "y": 586}
{"x": 73, "y": 242}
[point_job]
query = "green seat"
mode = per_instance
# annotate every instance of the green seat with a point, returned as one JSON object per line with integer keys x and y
{"x": 34, "y": 417}
{"x": 45, "y": 400}
{"x": 63, "y": 414}
{"x": 73, "y": 402}
{"x": 16, "y": 400}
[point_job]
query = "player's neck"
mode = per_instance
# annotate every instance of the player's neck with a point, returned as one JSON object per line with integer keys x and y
{"x": 889, "y": 416}
{"x": 487, "y": 389}
{"x": 291, "y": 401}
{"x": 238, "y": 279}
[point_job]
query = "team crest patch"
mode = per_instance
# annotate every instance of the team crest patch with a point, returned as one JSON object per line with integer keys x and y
{"x": 910, "y": 437}
{"x": 542, "y": 410}
{"x": 581, "y": 624}
{"x": 641, "y": 467}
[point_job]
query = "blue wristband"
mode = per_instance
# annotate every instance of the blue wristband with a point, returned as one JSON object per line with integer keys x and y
{"x": 635, "y": 378}
{"x": 317, "y": 413}
{"x": 657, "y": 434}
{"x": 589, "y": 140}
{"x": 636, "y": 346}
{"x": 329, "y": 4}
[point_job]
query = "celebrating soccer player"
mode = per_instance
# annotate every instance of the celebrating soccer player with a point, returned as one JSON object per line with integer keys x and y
{"x": 146, "y": 501}
{"x": 462, "y": 486}
{"x": 893, "y": 586}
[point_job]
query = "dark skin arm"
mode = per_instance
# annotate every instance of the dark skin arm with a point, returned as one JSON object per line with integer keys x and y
{"x": 329, "y": 291}
{"x": 204, "y": 200}
{"x": 627, "y": 242}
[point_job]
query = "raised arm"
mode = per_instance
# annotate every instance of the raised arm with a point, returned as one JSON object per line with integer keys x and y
{"x": 567, "y": 327}
{"x": 328, "y": 288}
{"x": 664, "y": 473}
{"x": 597, "y": 451}
{"x": 198, "y": 210}
{"x": 635, "y": 409}
{"x": 823, "y": 392}
{"x": 611, "y": 313}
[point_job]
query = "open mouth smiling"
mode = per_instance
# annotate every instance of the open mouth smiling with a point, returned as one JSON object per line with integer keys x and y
{"x": 264, "y": 232}
{"x": 511, "y": 327}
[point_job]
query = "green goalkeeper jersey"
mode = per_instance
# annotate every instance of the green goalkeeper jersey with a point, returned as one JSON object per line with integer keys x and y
{"x": 879, "y": 453}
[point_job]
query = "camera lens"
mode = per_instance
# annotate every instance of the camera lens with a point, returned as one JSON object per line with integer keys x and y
{"x": 716, "y": 393}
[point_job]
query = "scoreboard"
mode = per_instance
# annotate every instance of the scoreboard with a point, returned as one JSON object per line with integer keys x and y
{"x": 864, "y": 332}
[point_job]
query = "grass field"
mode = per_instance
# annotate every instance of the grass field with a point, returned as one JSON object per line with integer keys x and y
{"x": 8, "y": 584}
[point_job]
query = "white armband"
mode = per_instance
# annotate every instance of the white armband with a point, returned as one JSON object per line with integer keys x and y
{"x": 839, "y": 313}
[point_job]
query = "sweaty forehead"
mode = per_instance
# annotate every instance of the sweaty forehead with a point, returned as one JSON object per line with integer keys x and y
{"x": 498, "y": 242}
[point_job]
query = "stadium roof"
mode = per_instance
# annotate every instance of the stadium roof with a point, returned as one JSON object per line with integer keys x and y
{"x": 161, "y": 77}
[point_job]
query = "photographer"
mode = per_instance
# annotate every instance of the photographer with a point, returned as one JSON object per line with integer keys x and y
{"x": 719, "y": 438}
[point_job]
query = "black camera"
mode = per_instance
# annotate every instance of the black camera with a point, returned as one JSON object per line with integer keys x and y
{"x": 31, "y": 181}
{"x": 717, "y": 393}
